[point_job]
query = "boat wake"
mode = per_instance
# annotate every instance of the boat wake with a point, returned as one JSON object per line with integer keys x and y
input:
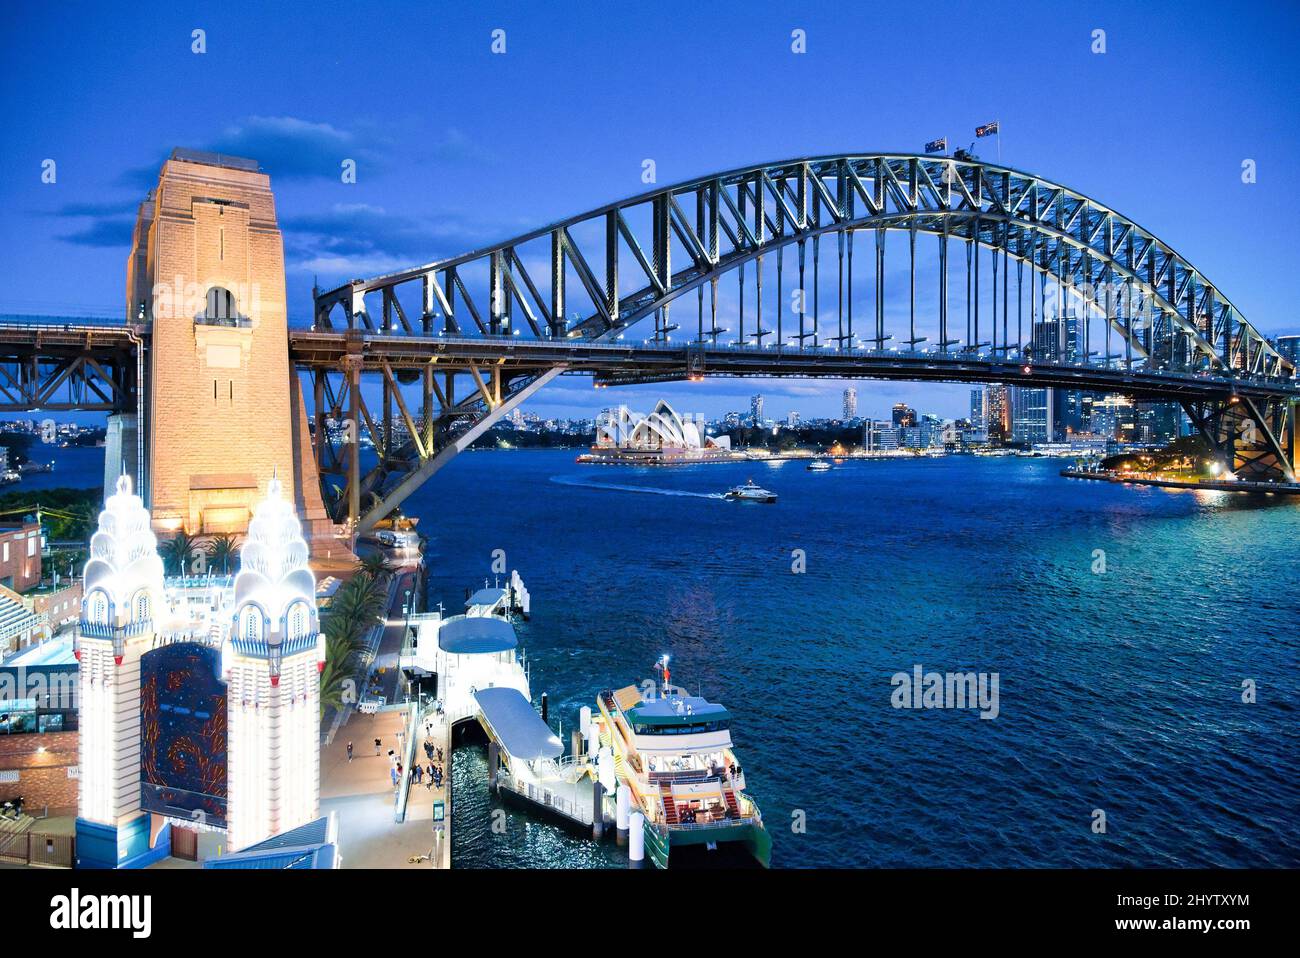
{"x": 619, "y": 487}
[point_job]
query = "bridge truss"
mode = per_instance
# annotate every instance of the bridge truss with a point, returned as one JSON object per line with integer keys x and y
{"x": 61, "y": 366}
{"x": 1052, "y": 287}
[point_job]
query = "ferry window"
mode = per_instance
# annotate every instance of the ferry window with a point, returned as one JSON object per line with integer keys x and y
{"x": 679, "y": 729}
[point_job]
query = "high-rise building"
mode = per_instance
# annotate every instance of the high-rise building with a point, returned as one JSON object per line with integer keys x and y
{"x": 1289, "y": 346}
{"x": 792, "y": 418}
{"x": 904, "y": 415}
{"x": 850, "y": 403}
{"x": 756, "y": 409}
{"x": 990, "y": 413}
{"x": 1031, "y": 414}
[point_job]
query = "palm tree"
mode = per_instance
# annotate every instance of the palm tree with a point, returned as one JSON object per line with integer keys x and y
{"x": 222, "y": 551}
{"x": 177, "y": 552}
{"x": 373, "y": 565}
{"x": 338, "y": 685}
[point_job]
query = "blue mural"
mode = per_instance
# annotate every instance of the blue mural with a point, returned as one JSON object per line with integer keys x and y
{"x": 183, "y": 733}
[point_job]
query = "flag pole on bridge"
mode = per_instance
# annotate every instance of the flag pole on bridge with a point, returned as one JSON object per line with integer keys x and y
{"x": 991, "y": 129}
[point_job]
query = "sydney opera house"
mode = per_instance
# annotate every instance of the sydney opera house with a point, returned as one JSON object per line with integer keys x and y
{"x": 661, "y": 438}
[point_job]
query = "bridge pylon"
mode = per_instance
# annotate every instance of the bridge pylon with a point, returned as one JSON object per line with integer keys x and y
{"x": 1255, "y": 438}
{"x": 205, "y": 276}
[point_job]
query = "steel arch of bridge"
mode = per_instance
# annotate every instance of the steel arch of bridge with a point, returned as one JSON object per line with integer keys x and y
{"x": 1168, "y": 320}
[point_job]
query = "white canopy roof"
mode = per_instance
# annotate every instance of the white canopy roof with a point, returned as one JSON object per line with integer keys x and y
{"x": 517, "y": 726}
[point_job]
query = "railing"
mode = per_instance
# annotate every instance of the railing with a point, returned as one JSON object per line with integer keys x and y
{"x": 34, "y": 848}
{"x": 545, "y": 797}
{"x": 963, "y": 354}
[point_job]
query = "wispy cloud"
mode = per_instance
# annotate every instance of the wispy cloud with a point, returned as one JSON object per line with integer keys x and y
{"x": 359, "y": 239}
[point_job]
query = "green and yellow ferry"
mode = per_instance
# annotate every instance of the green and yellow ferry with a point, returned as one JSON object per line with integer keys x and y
{"x": 674, "y": 753}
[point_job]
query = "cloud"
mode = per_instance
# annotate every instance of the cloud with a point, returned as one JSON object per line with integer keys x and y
{"x": 347, "y": 240}
{"x": 456, "y": 147}
{"x": 288, "y": 147}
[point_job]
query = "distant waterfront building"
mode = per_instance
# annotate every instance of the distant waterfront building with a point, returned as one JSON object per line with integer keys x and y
{"x": 663, "y": 436}
{"x": 1289, "y": 346}
{"x": 879, "y": 436}
{"x": 756, "y": 409}
{"x": 1031, "y": 414}
{"x": 904, "y": 415}
{"x": 850, "y": 403}
{"x": 792, "y": 419}
{"x": 990, "y": 408}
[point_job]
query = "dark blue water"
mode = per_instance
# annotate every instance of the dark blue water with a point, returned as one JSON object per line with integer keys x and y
{"x": 1119, "y": 691}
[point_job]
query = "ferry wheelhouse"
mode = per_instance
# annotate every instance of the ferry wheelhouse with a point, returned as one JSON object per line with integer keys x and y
{"x": 674, "y": 753}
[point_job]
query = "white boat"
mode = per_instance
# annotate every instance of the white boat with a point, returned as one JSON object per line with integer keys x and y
{"x": 819, "y": 465}
{"x": 673, "y": 752}
{"x": 750, "y": 492}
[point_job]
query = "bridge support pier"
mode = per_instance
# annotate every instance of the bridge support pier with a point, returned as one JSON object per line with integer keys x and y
{"x": 1255, "y": 439}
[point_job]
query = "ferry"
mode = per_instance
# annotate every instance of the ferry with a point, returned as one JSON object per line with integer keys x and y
{"x": 674, "y": 753}
{"x": 750, "y": 492}
{"x": 819, "y": 465}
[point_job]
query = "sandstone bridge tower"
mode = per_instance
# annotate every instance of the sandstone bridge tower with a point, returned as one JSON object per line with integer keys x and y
{"x": 222, "y": 411}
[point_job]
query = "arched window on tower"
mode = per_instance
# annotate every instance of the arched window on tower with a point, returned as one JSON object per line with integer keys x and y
{"x": 298, "y": 623}
{"x": 97, "y": 611}
{"x": 250, "y": 624}
{"x": 143, "y": 607}
{"x": 220, "y": 309}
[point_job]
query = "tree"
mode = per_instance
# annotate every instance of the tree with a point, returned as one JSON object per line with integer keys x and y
{"x": 373, "y": 565}
{"x": 177, "y": 552}
{"x": 338, "y": 683}
{"x": 222, "y": 551}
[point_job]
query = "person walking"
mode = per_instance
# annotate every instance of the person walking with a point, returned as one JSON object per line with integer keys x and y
{"x": 377, "y": 747}
{"x": 349, "y": 751}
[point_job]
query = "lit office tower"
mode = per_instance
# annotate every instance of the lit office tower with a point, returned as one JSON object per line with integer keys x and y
{"x": 1289, "y": 346}
{"x": 1031, "y": 414}
{"x": 122, "y": 592}
{"x": 756, "y": 409}
{"x": 272, "y": 661}
{"x": 792, "y": 418}
{"x": 850, "y": 403}
{"x": 997, "y": 412}
{"x": 979, "y": 424}
{"x": 904, "y": 415}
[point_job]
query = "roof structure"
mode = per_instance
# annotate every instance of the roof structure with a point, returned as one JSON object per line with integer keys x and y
{"x": 476, "y": 635}
{"x": 517, "y": 726}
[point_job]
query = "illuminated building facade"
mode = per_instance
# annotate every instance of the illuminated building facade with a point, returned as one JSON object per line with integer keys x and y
{"x": 199, "y": 703}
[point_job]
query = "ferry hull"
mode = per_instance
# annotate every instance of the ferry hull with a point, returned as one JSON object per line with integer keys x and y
{"x": 753, "y": 839}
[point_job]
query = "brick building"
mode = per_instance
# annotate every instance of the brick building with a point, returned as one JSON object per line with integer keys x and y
{"x": 20, "y": 555}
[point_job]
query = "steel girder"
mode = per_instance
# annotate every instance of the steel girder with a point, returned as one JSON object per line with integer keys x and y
{"x": 62, "y": 367}
{"x": 593, "y": 276}
{"x": 1255, "y": 438}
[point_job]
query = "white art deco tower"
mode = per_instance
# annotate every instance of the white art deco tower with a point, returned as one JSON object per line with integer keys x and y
{"x": 272, "y": 663}
{"x": 123, "y": 592}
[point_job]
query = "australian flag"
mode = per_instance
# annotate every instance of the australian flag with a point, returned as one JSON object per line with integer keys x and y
{"x": 937, "y": 146}
{"x": 988, "y": 129}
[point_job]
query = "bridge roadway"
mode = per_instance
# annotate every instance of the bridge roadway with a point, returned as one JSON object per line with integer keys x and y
{"x": 98, "y": 352}
{"x": 615, "y": 362}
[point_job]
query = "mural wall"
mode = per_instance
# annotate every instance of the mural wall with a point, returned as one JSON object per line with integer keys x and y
{"x": 183, "y": 733}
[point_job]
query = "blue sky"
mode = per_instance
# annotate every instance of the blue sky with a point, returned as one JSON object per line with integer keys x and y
{"x": 457, "y": 147}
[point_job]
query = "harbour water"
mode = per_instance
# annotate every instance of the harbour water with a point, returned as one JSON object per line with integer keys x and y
{"x": 1120, "y": 691}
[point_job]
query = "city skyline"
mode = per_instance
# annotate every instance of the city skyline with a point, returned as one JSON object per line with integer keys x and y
{"x": 430, "y": 184}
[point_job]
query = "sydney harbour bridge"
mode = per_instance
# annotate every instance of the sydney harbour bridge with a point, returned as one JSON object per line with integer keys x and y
{"x": 880, "y": 266}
